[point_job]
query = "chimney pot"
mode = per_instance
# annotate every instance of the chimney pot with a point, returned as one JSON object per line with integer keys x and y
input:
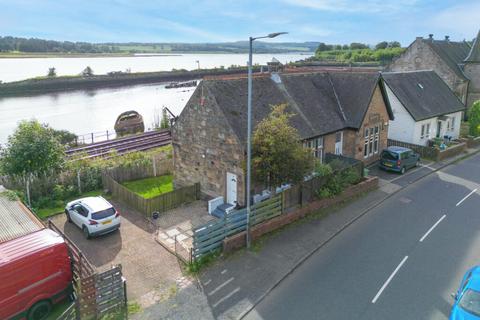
{"x": 447, "y": 38}
{"x": 430, "y": 36}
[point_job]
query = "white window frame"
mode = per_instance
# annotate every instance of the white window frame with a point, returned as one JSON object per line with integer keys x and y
{"x": 422, "y": 132}
{"x": 427, "y": 132}
{"x": 376, "y": 139}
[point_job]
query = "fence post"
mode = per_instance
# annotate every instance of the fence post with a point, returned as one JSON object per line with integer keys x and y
{"x": 79, "y": 181}
{"x": 154, "y": 166}
{"x": 92, "y": 137}
{"x": 107, "y": 135}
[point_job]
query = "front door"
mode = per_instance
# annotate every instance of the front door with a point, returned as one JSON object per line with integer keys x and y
{"x": 231, "y": 188}
{"x": 338, "y": 142}
{"x": 439, "y": 129}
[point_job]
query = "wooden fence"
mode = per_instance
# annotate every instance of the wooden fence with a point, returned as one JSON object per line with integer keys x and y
{"x": 161, "y": 203}
{"x": 97, "y": 293}
{"x": 159, "y": 166}
{"x": 423, "y": 151}
{"x": 210, "y": 236}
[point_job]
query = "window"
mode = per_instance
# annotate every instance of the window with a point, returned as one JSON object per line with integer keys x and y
{"x": 376, "y": 139}
{"x": 316, "y": 145}
{"x": 425, "y": 132}
{"x": 427, "y": 135}
{"x": 422, "y": 134}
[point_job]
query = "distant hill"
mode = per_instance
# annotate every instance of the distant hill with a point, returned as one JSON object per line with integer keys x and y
{"x": 30, "y": 45}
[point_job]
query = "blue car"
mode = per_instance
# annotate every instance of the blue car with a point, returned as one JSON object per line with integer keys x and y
{"x": 398, "y": 159}
{"x": 467, "y": 298}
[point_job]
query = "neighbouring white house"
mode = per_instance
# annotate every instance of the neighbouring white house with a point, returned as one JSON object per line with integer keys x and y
{"x": 423, "y": 106}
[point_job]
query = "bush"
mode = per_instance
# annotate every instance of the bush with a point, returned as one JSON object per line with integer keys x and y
{"x": 474, "y": 119}
{"x": 323, "y": 170}
{"x": 350, "y": 176}
{"x": 324, "y": 193}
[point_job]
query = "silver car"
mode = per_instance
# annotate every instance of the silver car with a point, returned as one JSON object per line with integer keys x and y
{"x": 94, "y": 215}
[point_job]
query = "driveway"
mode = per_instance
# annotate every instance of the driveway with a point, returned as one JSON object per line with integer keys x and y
{"x": 150, "y": 270}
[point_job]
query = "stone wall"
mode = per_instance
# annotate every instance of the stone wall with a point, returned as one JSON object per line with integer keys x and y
{"x": 205, "y": 148}
{"x": 238, "y": 241}
{"x": 472, "y": 71}
{"x": 419, "y": 56}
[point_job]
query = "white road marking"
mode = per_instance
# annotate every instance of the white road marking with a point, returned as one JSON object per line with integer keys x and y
{"x": 207, "y": 282}
{"x": 220, "y": 287}
{"x": 226, "y": 297}
{"x": 389, "y": 279}
{"x": 433, "y": 227}
{"x": 224, "y": 271}
{"x": 466, "y": 197}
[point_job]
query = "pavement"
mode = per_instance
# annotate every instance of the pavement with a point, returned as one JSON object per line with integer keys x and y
{"x": 248, "y": 283}
{"x": 400, "y": 260}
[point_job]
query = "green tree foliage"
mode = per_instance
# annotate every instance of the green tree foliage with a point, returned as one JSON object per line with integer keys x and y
{"x": 381, "y": 45}
{"x": 165, "y": 123}
{"x": 87, "y": 72}
{"x": 64, "y": 137}
{"x": 278, "y": 155}
{"x": 356, "y": 45}
{"x": 52, "y": 72}
{"x": 32, "y": 149}
{"x": 474, "y": 119}
{"x": 394, "y": 44}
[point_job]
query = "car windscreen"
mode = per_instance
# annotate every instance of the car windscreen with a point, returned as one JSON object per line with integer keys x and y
{"x": 103, "y": 214}
{"x": 389, "y": 155}
{"x": 470, "y": 302}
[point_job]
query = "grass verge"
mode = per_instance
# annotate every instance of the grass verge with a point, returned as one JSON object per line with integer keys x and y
{"x": 46, "y": 212}
{"x": 151, "y": 187}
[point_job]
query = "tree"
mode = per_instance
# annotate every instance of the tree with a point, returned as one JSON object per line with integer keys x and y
{"x": 165, "y": 123}
{"x": 87, "y": 72}
{"x": 52, "y": 72}
{"x": 32, "y": 150}
{"x": 322, "y": 47}
{"x": 278, "y": 155}
{"x": 356, "y": 45}
{"x": 381, "y": 45}
{"x": 474, "y": 119}
{"x": 394, "y": 44}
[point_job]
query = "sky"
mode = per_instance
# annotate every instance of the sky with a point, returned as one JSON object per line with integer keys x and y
{"x": 329, "y": 21}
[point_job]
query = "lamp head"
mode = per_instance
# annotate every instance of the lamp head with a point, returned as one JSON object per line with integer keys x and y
{"x": 276, "y": 34}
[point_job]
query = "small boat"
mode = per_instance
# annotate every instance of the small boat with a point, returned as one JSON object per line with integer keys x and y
{"x": 173, "y": 85}
{"x": 129, "y": 122}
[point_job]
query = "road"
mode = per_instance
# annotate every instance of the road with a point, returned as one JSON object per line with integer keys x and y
{"x": 400, "y": 261}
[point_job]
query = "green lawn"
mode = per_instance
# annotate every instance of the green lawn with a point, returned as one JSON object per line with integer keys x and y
{"x": 44, "y": 213}
{"x": 151, "y": 187}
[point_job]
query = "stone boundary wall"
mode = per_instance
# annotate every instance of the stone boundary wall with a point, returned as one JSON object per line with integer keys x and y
{"x": 451, "y": 151}
{"x": 473, "y": 142}
{"x": 238, "y": 241}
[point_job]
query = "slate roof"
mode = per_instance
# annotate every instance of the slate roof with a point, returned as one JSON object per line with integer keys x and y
{"x": 474, "y": 55}
{"x": 321, "y": 102}
{"x": 453, "y": 53}
{"x": 423, "y": 93}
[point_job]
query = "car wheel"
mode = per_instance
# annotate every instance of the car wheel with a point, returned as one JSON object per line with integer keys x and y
{"x": 402, "y": 171}
{"x": 40, "y": 310}
{"x": 86, "y": 232}
{"x": 68, "y": 216}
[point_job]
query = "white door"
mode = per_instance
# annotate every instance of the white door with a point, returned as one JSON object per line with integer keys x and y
{"x": 231, "y": 188}
{"x": 338, "y": 142}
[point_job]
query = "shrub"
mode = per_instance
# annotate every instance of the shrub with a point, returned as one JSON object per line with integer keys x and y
{"x": 350, "y": 176}
{"x": 324, "y": 193}
{"x": 474, "y": 119}
{"x": 323, "y": 170}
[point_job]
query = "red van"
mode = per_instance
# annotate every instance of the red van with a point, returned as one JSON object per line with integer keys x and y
{"x": 35, "y": 273}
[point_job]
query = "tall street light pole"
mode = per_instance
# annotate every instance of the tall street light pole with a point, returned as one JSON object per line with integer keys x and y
{"x": 249, "y": 126}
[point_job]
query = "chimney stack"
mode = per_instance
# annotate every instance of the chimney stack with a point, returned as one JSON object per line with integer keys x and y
{"x": 430, "y": 37}
{"x": 447, "y": 38}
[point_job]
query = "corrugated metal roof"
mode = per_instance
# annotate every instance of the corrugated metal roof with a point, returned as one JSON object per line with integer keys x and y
{"x": 23, "y": 246}
{"x": 16, "y": 220}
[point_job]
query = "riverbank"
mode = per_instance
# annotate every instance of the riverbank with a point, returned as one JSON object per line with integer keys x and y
{"x": 44, "y": 85}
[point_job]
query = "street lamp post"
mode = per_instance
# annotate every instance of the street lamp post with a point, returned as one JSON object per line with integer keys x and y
{"x": 249, "y": 125}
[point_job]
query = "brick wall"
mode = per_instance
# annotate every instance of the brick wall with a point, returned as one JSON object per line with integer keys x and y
{"x": 205, "y": 148}
{"x": 238, "y": 241}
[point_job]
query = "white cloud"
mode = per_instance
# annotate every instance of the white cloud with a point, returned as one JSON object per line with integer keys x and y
{"x": 462, "y": 20}
{"x": 368, "y": 6}
{"x": 313, "y": 31}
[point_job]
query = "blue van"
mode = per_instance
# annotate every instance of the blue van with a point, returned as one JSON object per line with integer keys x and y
{"x": 399, "y": 159}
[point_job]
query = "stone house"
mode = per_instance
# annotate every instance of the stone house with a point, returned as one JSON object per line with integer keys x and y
{"x": 457, "y": 63}
{"x": 342, "y": 113}
{"x": 423, "y": 105}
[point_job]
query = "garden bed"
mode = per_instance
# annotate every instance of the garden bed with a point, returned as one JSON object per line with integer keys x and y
{"x": 151, "y": 187}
